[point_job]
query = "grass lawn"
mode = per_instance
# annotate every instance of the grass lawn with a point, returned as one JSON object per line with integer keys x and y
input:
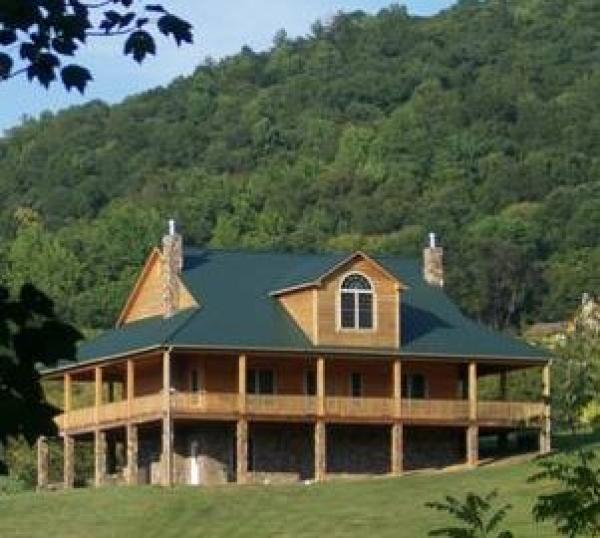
{"x": 380, "y": 507}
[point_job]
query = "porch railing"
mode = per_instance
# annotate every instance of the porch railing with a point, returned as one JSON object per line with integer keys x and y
{"x": 348, "y": 407}
{"x": 205, "y": 402}
{"x": 281, "y": 405}
{"x": 524, "y": 413}
{"x": 443, "y": 410}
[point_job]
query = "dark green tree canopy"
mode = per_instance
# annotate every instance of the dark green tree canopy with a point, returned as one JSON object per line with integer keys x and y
{"x": 39, "y": 37}
{"x": 31, "y": 335}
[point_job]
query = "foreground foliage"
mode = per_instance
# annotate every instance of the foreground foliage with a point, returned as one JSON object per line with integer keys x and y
{"x": 31, "y": 335}
{"x": 575, "y": 506}
{"x": 38, "y": 36}
{"x": 477, "y": 515}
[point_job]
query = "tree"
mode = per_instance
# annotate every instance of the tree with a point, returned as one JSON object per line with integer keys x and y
{"x": 40, "y": 257}
{"x": 477, "y": 515}
{"x": 578, "y": 365}
{"x": 575, "y": 507}
{"x": 30, "y": 335}
{"x": 37, "y": 36}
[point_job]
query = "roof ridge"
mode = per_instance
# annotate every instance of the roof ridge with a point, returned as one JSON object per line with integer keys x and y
{"x": 250, "y": 251}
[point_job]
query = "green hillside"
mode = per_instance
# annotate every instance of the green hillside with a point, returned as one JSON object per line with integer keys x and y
{"x": 481, "y": 123}
{"x": 382, "y": 507}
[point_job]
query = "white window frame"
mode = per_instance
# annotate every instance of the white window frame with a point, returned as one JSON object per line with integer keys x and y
{"x": 257, "y": 382}
{"x": 338, "y": 306}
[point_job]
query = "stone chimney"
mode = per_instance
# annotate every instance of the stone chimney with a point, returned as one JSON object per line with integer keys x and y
{"x": 433, "y": 263}
{"x": 172, "y": 249}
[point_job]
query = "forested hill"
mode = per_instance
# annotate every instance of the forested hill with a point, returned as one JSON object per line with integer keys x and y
{"x": 481, "y": 123}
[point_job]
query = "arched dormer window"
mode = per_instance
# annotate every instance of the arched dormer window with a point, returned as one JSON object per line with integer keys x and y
{"x": 356, "y": 303}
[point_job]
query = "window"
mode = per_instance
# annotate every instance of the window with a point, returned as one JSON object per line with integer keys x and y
{"x": 414, "y": 386}
{"x": 310, "y": 383}
{"x": 194, "y": 381}
{"x": 356, "y": 385}
{"x": 260, "y": 382}
{"x": 356, "y": 303}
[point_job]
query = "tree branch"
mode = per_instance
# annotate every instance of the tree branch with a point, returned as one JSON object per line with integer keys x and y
{"x": 13, "y": 74}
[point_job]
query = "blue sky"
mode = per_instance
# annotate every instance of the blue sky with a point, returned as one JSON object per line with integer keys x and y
{"x": 221, "y": 28}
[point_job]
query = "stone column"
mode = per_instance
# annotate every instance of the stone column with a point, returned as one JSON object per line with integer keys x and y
{"x": 167, "y": 423}
{"x": 472, "y": 445}
{"x": 172, "y": 264}
{"x": 99, "y": 457}
{"x": 397, "y": 448}
{"x": 42, "y": 462}
{"x": 132, "y": 454}
{"x": 320, "y": 451}
{"x": 433, "y": 263}
{"x": 546, "y": 427}
{"x": 69, "y": 461}
{"x": 241, "y": 441}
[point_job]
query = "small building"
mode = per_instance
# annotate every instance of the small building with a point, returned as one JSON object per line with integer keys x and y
{"x": 267, "y": 367}
{"x": 585, "y": 320}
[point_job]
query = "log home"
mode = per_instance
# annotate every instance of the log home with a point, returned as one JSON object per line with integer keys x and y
{"x": 244, "y": 367}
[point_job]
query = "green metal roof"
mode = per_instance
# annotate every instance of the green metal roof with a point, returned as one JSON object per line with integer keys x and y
{"x": 237, "y": 312}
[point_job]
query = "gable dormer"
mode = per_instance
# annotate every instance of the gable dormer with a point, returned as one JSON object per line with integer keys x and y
{"x": 354, "y": 303}
{"x": 159, "y": 290}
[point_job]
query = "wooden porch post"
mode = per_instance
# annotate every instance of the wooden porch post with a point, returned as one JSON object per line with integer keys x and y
{"x": 472, "y": 429}
{"x": 97, "y": 393}
{"x": 241, "y": 434}
{"x": 42, "y": 462}
{"x": 242, "y": 363}
{"x": 320, "y": 425}
{"x": 130, "y": 386}
{"x": 99, "y": 457}
{"x": 69, "y": 461}
{"x": 167, "y": 423}
{"x": 320, "y": 386}
{"x": 397, "y": 447}
{"x": 67, "y": 402}
{"x": 546, "y": 429}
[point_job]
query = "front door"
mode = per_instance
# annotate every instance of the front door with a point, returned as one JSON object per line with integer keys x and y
{"x": 194, "y": 464}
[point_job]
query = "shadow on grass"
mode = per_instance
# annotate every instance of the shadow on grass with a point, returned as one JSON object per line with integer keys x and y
{"x": 567, "y": 441}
